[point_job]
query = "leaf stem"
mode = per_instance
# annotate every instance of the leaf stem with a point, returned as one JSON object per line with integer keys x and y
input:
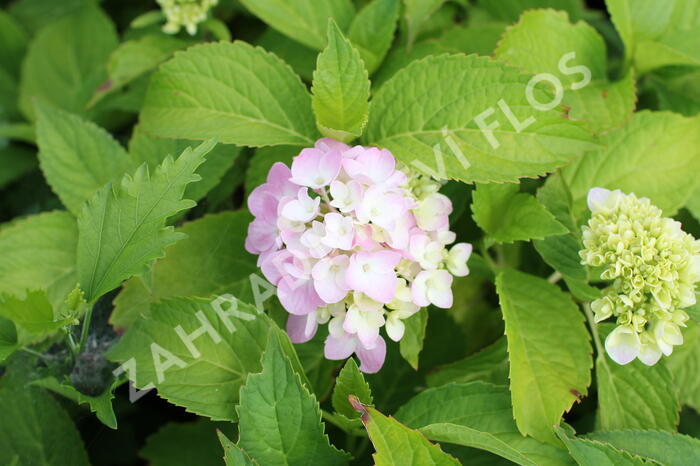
{"x": 85, "y": 330}
{"x": 594, "y": 327}
{"x": 34, "y": 353}
{"x": 555, "y": 277}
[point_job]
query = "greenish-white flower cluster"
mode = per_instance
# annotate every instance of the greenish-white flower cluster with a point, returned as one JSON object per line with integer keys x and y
{"x": 187, "y": 13}
{"x": 653, "y": 265}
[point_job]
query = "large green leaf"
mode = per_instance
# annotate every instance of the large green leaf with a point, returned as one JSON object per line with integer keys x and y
{"x": 280, "y": 421}
{"x": 14, "y": 44}
{"x": 543, "y": 41}
{"x": 395, "y": 443}
{"x": 8, "y": 338}
{"x": 208, "y": 384}
{"x": 136, "y": 57}
{"x": 372, "y": 31}
{"x": 39, "y": 252}
{"x": 477, "y": 415}
{"x": 430, "y": 124}
{"x": 233, "y": 91}
{"x": 636, "y": 396}
{"x": 656, "y": 155}
{"x": 416, "y": 13}
{"x": 233, "y": 454}
{"x": 658, "y": 34}
{"x": 549, "y": 348}
{"x": 508, "y": 215}
{"x": 488, "y": 365}
{"x": 77, "y": 156}
{"x": 340, "y": 89}
{"x": 664, "y": 447}
{"x": 122, "y": 228}
{"x": 590, "y": 452}
{"x": 303, "y": 20}
{"x": 35, "y": 430}
{"x": 677, "y": 89}
{"x": 684, "y": 365}
{"x": 211, "y": 260}
{"x": 66, "y": 61}
{"x": 510, "y": 10}
{"x": 144, "y": 147}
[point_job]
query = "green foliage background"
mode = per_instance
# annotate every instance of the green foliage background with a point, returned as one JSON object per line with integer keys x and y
{"x": 126, "y": 156}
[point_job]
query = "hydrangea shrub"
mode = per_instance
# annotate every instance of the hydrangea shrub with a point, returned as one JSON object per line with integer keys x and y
{"x": 392, "y": 232}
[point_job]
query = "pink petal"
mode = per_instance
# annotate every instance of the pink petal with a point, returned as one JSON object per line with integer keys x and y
{"x": 301, "y": 328}
{"x": 298, "y": 296}
{"x": 339, "y": 347}
{"x": 328, "y": 144}
{"x": 372, "y": 360}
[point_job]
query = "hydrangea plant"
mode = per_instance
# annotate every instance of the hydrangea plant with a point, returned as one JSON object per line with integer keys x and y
{"x": 392, "y": 232}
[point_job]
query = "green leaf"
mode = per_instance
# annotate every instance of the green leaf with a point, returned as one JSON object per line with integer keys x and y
{"x": 416, "y": 13}
{"x": 684, "y": 365}
{"x": 508, "y": 215}
{"x": 667, "y": 448}
{"x": 83, "y": 40}
{"x": 122, "y": 228}
{"x": 477, "y": 415}
{"x": 561, "y": 253}
{"x": 305, "y": 21}
{"x": 476, "y": 38}
{"x": 350, "y": 382}
{"x": 589, "y": 452}
{"x": 677, "y": 90}
{"x": 301, "y": 58}
{"x": 233, "y": 91}
{"x": 412, "y": 342}
{"x": 340, "y": 89}
{"x": 543, "y": 41}
{"x": 32, "y": 313}
{"x": 510, "y": 10}
{"x": 395, "y": 443}
{"x": 100, "y": 405}
{"x": 549, "y": 348}
{"x": 211, "y": 260}
{"x": 33, "y": 15}
{"x": 16, "y": 161}
{"x": 655, "y": 155}
{"x": 36, "y": 430}
{"x": 185, "y": 443}
{"x": 233, "y": 455}
{"x": 77, "y": 156}
{"x": 657, "y": 34}
{"x": 431, "y": 125}
{"x": 8, "y": 338}
{"x": 372, "y": 31}
{"x": 143, "y": 147}
{"x": 207, "y": 385}
{"x": 14, "y": 44}
{"x": 136, "y": 57}
{"x": 488, "y": 365}
{"x": 280, "y": 421}
{"x": 39, "y": 252}
{"x": 636, "y": 396}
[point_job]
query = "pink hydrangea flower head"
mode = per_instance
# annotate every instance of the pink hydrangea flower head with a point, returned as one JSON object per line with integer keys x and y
{"x": 355, "y": 240}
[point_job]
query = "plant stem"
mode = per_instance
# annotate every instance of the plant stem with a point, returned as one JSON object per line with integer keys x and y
{"x": 85, "y": 330}
{"x": 35, "y": 353}
{"x": 71, "y": 341}
{"x": 555, "y": 277}
{"x": 594, "y": 328}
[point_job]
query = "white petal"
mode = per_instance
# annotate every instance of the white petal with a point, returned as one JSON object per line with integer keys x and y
{"x": 597, "y": 197}
{"x": 623, "y": 345}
